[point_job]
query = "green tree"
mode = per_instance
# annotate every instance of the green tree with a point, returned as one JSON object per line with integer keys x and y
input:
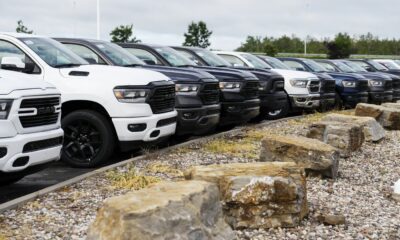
{"x": 270, "y": 49}
{"x": 252, "y": 44}
{"x": 123, "y": 34}
{"x": 21, "y": 28}
{"x": 198, "y": 35}
{"x": 340, "y": 47}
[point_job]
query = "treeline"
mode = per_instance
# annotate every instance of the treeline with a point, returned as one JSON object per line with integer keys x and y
{"x": 364, "y": 44}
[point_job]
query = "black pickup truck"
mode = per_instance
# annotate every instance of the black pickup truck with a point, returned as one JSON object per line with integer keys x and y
{"x": 380, "y": 86}
{"x": 274, "y": 99}
{"x": 239, "y": 90}
{"x": 372, "y": 66}
{"x": 197, "y": 92}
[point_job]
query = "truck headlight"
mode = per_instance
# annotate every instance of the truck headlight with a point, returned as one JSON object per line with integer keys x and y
{"x": 5, "y": 107}
{"x": 375, "y": 83}
{"x": 127, "y": 95}
{"x": 229, "y": 85}
{"x": 350, "y": 84}
{"x": 299, "y": 83}
{"x": 186, "y": 88}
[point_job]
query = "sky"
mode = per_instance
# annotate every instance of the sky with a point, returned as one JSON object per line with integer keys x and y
{"x": 165, "y": 21}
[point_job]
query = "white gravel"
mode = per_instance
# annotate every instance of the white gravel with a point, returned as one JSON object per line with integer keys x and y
{"x": 361, "y": 193}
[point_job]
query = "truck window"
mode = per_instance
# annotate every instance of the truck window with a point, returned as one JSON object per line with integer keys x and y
{"x": 8, "y": 49}
{"x": 190, "y": 56}
{"x": 143, "y": 55}
{"x": 294, "y": 65}
{"x": 85, "y": 53}
{"x": 235, "y": 61}
{"x": 328, "y": 66}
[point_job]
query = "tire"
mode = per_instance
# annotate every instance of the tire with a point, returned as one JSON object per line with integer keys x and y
{"x": 277, "y": 114}
{"x": 89, "y": 139}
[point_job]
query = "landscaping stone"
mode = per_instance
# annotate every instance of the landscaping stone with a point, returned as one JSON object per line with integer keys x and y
{"x": 312, "y": 154}
{"x": 372, "y": 130}
{"x": 168, "y": 210}
{"x": 332, "y": 219}
{"x": 346, "y": 137}
{"x": 392, "y": 105}
{"x": 388, "y": 117}
{"x": 258, "y": 195}
{"x": 396, "y": 191}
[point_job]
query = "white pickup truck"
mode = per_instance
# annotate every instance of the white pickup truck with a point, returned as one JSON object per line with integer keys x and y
{"x": 103, "y": 107}
{"x": 30, "y": 130}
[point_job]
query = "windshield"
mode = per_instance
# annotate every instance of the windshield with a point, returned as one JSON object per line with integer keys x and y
{"x": 275, "y": 63}
{"x": 118, "y": 55}
{"x": 378, "y": 66}
{"x": 314, "y": 66}
{"x": 397, "y": 62}
{"x": 255, "y": 61}
{"x": 356, "y": 67}
{"x": 346, "y": 68}
{"x": 53, "y": 53}
{"x": 174, "y": 57}
{"x": 211, "y": 58}
{"x": 390, "y": 65}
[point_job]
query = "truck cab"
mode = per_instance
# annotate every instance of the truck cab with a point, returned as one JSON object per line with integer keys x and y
{"x": 351, "y": 89}
{"x": 274, "y": 99}
{"x": 30, "y": 131}
{"x": 239, "y": 90}
{"x": 103, "y": 107}
{"x": 197, "y": 92}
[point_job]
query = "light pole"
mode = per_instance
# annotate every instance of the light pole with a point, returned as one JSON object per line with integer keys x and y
{"x": 98, "y": 19}
{"x": 305, "y": 45}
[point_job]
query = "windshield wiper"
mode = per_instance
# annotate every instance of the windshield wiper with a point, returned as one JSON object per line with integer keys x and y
{"x": 133, "y": 65}
{"x": 221, "y": 66}
{"x": 185, "y": 65}
{"x": 67, "y": 65}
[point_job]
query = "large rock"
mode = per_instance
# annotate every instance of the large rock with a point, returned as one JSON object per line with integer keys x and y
{"x": 372, "y": 130}
{"x": 258, "y": 195}
{"x": 388, "y": 117}
{"x": 391, "y": 105}
{"x": 168, "y": 210}
{"x": 346, "y": 137}
{"x": 312, "y": 154}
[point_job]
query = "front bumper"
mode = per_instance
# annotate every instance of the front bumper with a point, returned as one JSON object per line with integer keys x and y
{"x": 307, "y": 101}
{"x": 352, "y": 99}
{"x": 155, "y": 127}
{"x": 327, "y": 100}
{"x": 198, "y": 121}
{"x": 396, "y": 95}
{"x": 376, "y": 97}
{"x": 271, "y": 102}
{"x": 239, "y": 112}
{"x": 15, "y": 150}
{"x": 388, "y": 96}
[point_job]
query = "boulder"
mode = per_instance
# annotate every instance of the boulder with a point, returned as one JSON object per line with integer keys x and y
{"x": 388, "y": 117}
{"x": 372, "y": 130}
{"x": 258, "y": 195}
{"x": 391, "y": 105}
{"x": 346, "y": 137}
{"x": 167, "y": 210}
{"x": 312, "y": 154}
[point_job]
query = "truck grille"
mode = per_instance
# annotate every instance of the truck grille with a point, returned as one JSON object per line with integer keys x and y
{"x": 328, "y": 86}
{"x": 396, "y": 84}
{"x": 250, "y": 90}
{"x": 163, "y": 99}
{"x": 209, "y": 94}
{"x": 362, "y": 86}
{"x": 314, "y": 86}
{"x": 46, "y": 112}
{"x": 388, "y": 85}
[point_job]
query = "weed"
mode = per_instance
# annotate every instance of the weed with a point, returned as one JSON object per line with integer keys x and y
{"x": 159, "y": 167}
{"x": 130, "y": 179}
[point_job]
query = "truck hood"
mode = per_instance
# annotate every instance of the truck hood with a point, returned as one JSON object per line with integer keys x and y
{"x": 113, "y": 74}
{"x": 349, "y": 76}
{"x": 182, "y": 74}
{"x": 376, "y": 76}
{"x": 227, "y": 74}
{"x": 11, "y": 81}
{"x": 291, "y": 74}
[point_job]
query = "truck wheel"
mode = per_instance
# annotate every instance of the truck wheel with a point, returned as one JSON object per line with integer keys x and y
{"x": 88, "y": 139}
{"x": 277, "y": 114}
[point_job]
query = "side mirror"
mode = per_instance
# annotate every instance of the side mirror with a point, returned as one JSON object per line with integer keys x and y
{"x": 12, "y": 63}
{"x": 369, "y": 69}
{"x": 149, "y": 62}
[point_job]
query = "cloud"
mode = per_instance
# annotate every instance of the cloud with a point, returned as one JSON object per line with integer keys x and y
{"x": 164, "y": 22}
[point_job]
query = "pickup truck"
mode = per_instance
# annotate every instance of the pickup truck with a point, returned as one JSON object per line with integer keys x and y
{"x": 380, "y": 86}
{"x": 197, "y": 92}
{"x": 30, "y": 131}
{"x": 351, "y": 89}
{"x": 373, "y": 66}
{"x": 274, "y": 99}
{"x": 239, "y": 90}
{"x": 302, "y": 88}
{"x": 103, "y": 107}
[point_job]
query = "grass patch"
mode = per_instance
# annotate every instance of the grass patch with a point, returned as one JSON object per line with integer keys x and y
{"x": 159, "y": 167}
{"x": 130, "y": 179}
{"x": 241, "y": 148}
{"x": 2, "y": 237}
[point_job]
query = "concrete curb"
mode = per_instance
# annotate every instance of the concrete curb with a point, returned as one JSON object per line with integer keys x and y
{"x": 24, "y": 199}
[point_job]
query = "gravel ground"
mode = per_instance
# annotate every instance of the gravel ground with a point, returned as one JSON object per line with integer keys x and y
{"x": 361, "y": 193}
